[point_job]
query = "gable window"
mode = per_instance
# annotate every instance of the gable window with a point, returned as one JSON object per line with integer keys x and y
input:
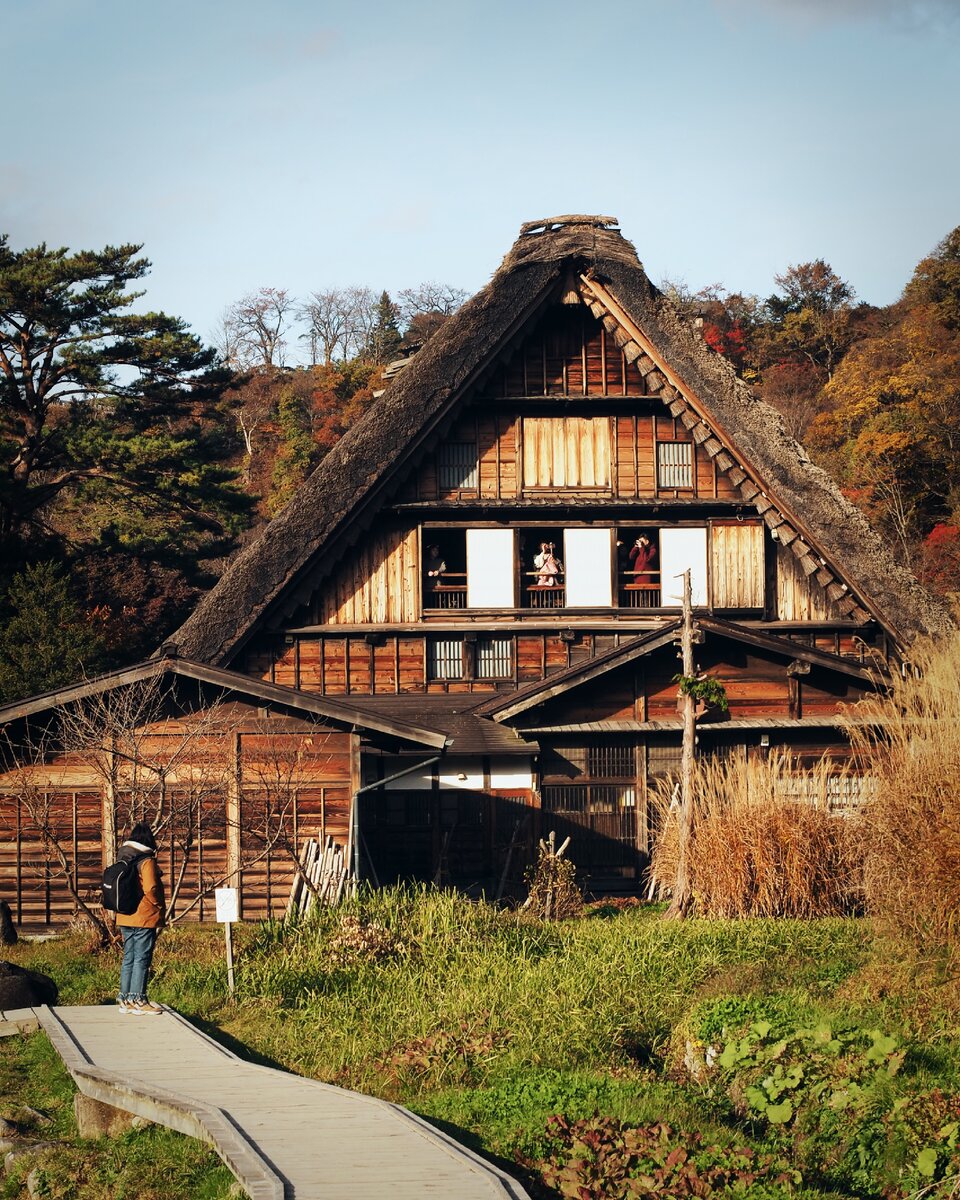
{"x": 457, "y": 467}
{"x": 674, "y": 465}
{"x": 566, "y": 452}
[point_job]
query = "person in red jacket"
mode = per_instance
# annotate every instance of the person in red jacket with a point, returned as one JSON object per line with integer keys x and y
{"x": 140, "y": 929}
{"x": 643, "y": 556}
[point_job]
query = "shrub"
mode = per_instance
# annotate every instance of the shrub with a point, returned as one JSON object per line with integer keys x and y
{"x": 910, "y": 827}
{"x": 603, "y": 1158}
{"x": 766, "y": 842}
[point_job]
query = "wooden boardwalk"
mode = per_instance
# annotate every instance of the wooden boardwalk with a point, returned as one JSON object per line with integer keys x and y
{"x": 280, "y": 1134}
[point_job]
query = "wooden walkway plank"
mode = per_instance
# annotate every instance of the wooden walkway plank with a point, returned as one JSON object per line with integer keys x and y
{"x": 280, "y": 1134}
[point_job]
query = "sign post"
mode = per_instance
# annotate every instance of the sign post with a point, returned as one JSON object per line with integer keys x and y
{"x": 228, "y": 911}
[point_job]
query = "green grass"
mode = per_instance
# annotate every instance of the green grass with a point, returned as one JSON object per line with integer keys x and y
{"x": 146, "y": 1164}
{"x": 490, "y": 1024}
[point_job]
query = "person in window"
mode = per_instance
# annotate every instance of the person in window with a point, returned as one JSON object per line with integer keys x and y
{"x": 434, "y": 567}
{"x": 643, "y": 556}
{"x": 547, "y": 566}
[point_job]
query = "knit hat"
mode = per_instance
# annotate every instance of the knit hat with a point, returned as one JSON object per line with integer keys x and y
{"x": 142, "y": 833}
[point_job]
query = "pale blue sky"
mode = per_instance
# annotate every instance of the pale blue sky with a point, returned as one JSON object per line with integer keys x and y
{"x": 309, "y": 145}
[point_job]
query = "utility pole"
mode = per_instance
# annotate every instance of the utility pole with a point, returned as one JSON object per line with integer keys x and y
{"x": 681, "y": 888}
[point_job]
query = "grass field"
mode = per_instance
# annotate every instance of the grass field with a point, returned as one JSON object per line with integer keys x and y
{"x": 758, "y": 1058}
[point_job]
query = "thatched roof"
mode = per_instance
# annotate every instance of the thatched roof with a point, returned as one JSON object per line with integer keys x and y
{"x": 342, "y": 495}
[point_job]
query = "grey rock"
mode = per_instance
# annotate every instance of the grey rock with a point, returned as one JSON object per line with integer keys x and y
{"x": 10, "y": 1158}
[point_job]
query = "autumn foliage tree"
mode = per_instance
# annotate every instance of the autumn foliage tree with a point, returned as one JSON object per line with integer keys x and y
{"x": 893, "y": 433}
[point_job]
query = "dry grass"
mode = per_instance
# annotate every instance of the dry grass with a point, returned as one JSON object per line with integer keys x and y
{"x": 766, "y": 842}
{"x": 911, "y": 826}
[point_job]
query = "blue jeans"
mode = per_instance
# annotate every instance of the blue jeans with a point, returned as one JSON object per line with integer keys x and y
{"x": 137, "y": 956}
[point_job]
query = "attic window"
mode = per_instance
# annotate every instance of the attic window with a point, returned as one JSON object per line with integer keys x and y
{"x": 675, "y": 464}
{"x": 457, "y": 466}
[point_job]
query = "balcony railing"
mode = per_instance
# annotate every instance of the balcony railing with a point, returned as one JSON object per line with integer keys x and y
{"x": 639, "y": 589}
{"x": 449, "y": 590}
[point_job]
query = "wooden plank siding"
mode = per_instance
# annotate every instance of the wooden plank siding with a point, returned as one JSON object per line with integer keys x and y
{"x": 294, "y": 783}
{"x": 398, "y": 664}
{"x": 377, "y": 582}
{"x": 799, "y": 597}
{"x": 737, "y": 564}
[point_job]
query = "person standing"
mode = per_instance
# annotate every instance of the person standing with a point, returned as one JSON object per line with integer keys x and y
{"x": 643, "y": 555}
{"x": 140, "y": 929}
{"x": 547, "y": 566}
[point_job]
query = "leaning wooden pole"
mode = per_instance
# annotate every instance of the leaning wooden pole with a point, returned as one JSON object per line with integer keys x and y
{"x": 681, "y": 887}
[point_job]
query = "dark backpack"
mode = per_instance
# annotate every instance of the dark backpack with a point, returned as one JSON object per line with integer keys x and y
{"x": 121, "y": 890}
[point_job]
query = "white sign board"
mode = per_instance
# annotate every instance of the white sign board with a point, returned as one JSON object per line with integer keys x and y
{"x": 228, "y": 904}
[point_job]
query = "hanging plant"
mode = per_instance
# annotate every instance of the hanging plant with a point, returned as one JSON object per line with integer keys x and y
{"x": 704, "y": 688}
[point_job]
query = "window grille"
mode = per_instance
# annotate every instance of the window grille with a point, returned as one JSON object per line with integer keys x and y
{"x": 662, "y": 760}
{"x": 675, "y": 464}
{"x": 457, "y": 466}
{"x": 494, "y": 658}
{"x": 611, "y": 760}
{"x": 445, "y": 660}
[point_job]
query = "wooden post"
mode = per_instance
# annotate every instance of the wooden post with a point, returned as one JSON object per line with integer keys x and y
{"x": 681, "y": 887}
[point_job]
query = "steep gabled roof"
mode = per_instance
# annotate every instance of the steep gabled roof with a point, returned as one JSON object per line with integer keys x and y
{"x": 231, "y": 683}
{"x": 831, "y": 539}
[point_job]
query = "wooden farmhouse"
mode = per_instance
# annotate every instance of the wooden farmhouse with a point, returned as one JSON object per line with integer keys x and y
{"x": 445, "y": 646}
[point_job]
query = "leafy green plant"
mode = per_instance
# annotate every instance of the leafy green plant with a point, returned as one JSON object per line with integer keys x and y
{"x": 600, "y": 1158}
{"x": 704, "y": 688}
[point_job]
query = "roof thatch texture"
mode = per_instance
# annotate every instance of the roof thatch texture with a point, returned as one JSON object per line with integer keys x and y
{"x": 358, "y": 472}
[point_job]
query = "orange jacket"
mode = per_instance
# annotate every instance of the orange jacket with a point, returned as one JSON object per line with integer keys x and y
{"x": 152, "y": 907}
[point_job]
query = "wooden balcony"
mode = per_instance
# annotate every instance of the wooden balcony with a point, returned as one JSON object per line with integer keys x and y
{"x": 639, "y": 589}
{"x": 448, "y": 591}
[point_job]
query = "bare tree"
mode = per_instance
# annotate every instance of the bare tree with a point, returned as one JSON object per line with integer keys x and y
{"x": 338, "y": 322}
{"x": 425, "y": 308}
{"x": 252, "y": 330}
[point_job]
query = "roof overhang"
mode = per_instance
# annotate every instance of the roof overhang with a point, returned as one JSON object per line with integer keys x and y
{"x": 231, "y": 684}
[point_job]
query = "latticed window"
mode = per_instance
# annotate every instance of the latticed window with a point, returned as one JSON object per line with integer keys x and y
{"x": 445, "y": 658}
{"x": 611, "y": 760}
{"x": 457, "y": 466}
{"x": 494, "y": 658}
{"x": 675, "y": 464}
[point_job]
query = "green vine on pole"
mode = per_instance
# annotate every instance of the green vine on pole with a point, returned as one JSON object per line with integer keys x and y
{"x": 704, "y": 688}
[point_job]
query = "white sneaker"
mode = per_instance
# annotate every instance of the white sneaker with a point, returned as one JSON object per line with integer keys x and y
{"x": 144, "y": 1008}
{"x": 125, "y": 1006}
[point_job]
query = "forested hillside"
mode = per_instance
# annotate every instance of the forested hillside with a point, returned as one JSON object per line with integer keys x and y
{"x": 136, "y": 459}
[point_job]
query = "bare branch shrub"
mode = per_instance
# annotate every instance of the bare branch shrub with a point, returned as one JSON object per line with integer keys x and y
{"x": 767, "y": 841}
{"x": 910, "y": 830}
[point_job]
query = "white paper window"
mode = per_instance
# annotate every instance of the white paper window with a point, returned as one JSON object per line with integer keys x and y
{"x": 586, "y": 560}
{"x": 494, "y": 658}
{"x": 683, "y": 550}
{"x": 675, "y": 464}
{"x": 490, "y": 568}
{"x": 445, "y": 658}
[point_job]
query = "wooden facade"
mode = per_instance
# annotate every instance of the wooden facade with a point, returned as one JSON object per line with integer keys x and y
{"x": 566, "y": 407}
